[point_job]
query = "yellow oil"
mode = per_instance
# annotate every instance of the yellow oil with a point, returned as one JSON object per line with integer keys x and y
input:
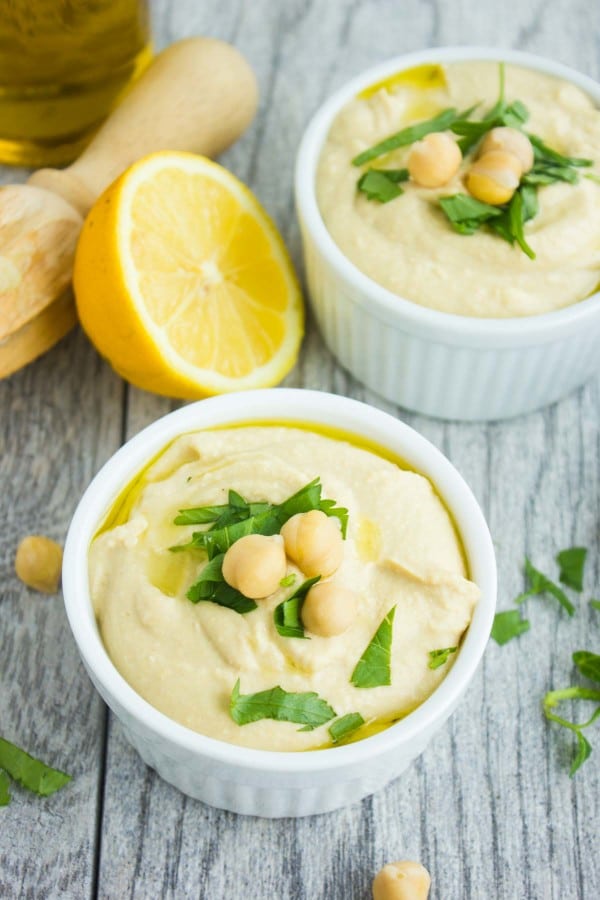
{"x": 429, "y": 76}
{"x": 63, "y": 65}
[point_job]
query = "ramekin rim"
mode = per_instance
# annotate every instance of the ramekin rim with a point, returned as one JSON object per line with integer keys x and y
{"x": 517, "y": 329}
{"x": 232, "y": 408}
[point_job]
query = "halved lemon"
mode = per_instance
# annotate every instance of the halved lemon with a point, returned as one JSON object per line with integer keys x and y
{"x": 183, "y": 282}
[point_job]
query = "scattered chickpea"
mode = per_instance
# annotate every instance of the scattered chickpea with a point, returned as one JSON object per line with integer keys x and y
{"x": 494, "y": 177}
{"x": 509, "y": 140}
{"x": 255, "y": 565}
{"x": 433, "y": 161}
{"x": 329, "y": 609}
{"x": 38, "y": 562}
{"x": 314, "y": 542}
{"x": 404, "y": 880}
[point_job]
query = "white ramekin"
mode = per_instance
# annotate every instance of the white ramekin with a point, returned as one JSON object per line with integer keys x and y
{"x": 440, "y": 364}
{"x": 257, "y": 782}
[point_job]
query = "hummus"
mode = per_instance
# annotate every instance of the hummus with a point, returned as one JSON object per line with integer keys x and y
{"x": 409, "y": 246}
{"x": 401, "y": 549}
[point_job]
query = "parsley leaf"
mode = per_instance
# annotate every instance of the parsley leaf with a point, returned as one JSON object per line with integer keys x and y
{"x": 545, "y": 154}
{"x": 382, "y": 184}
{"x": 553, "y": 698}
{"x": 287, "y": 615}
{"x": 508, "y": 625}
{"x": 541, "y": 584}
{"x": 29, "y": 772}
{"x": 288, "y": 580}
{"x": 572, "y": 563}
{"x": 306, "y": 709}
{"x": 437, "y": 658}
{"x": 409, "y": 135}
{"x": 4, "y": 788}
{"x": 588, "y": 664}
{"x": 466, "y": 214}
{"x": 374, "y": 667}
{"x": 212, "y": 587}
{"x": 346, "y": 725}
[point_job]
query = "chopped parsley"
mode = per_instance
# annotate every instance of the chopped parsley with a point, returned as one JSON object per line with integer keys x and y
{"x": 288, "y": 615}
{"x": 508, "y": 625}
{"x": 572, "y": 564}
{"x": 437, "y": 658}
{"x": 235, "y": 519}
{"x": 345, "y": 726}
{"x": 589, "y": 666}
{"x": 307, "y": 709}
{"x": 374, "y": 667}
{"x": 541, "y": 584}
{"x": 382, "y": 184}
{"x": 29, "y": 772}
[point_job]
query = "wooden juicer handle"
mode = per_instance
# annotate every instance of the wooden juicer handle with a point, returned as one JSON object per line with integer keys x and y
{"x": 198, "y": 95}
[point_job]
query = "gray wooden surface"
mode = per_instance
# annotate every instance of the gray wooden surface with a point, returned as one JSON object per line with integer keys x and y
{"x": 489, "y": 807}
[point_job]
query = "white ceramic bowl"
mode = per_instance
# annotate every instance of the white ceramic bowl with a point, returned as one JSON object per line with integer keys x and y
{"x": 259, "y": 782}
{"x": 453, "y": 367}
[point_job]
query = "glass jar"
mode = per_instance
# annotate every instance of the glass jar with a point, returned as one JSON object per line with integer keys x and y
{"x": 63, "y": 65}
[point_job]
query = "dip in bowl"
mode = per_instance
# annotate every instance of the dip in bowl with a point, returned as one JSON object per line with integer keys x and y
{"x": 461, "y": 324}
{"x": 169, "y": 668}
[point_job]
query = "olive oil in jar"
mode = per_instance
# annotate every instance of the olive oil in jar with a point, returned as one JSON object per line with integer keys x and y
{"x": 63, "y": 65}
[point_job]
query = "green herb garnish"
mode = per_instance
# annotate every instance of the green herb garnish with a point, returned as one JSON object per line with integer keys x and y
{"x": 382, "y": 184}
{"x": 346, "y": 725}
{"x": 288, "y": 580}
{"x": 508, "y": 625}
{"x": 27, "y": 771}
{"x": 231, "y": 521}
{"x": 237, "y": 520}
{"x": 212, "y": 587}
{"x": 306, "y": 709}
{"x": 541, "y": 584}
{"x": 437, "y": 658}
{"x": 374, "y": 667}
{"x": 595, "y": 604}
{"x": 545, "y": 154}
{"x": 409, "y": 135}
{"x": 287, "y": 615}
{"x": 466, "y": 214}
{"x": 572, "y": 563}
{"x": 589, "y": 665}
{"x": 4, "y": 788}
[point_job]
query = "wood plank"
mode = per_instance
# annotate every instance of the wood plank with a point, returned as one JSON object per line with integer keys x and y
{"x": 60, "y": 420}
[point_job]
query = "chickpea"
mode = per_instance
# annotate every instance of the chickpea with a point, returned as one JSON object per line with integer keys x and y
{"x": 404, "y": 880}
{"x": 509, "y": 140}
{"x": 433, "y": 161}
{"x": 329, "y": 608}
{"x": 494, "y": 177}
{"x": 255, "y": 565}
{"x": 38, "y": 562}
{"x": 314, "y": 542}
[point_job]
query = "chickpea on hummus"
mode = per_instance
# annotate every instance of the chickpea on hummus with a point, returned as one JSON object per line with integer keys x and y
{"x": 542, "y": 255}
{"x": 230, "y": 632}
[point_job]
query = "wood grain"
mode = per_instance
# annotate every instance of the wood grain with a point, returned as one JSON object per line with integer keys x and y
{"x": 489, "y": 807}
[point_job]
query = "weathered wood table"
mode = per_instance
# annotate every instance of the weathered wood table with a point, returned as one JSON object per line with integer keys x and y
{"x": 489, "y": 807}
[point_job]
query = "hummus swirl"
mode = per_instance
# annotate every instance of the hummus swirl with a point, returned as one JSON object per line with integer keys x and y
{"x": 184, "y": 659}
{"x": 408, "y": 245}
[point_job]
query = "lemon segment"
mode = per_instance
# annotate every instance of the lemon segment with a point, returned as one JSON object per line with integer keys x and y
{"x": 183, "y": 283}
